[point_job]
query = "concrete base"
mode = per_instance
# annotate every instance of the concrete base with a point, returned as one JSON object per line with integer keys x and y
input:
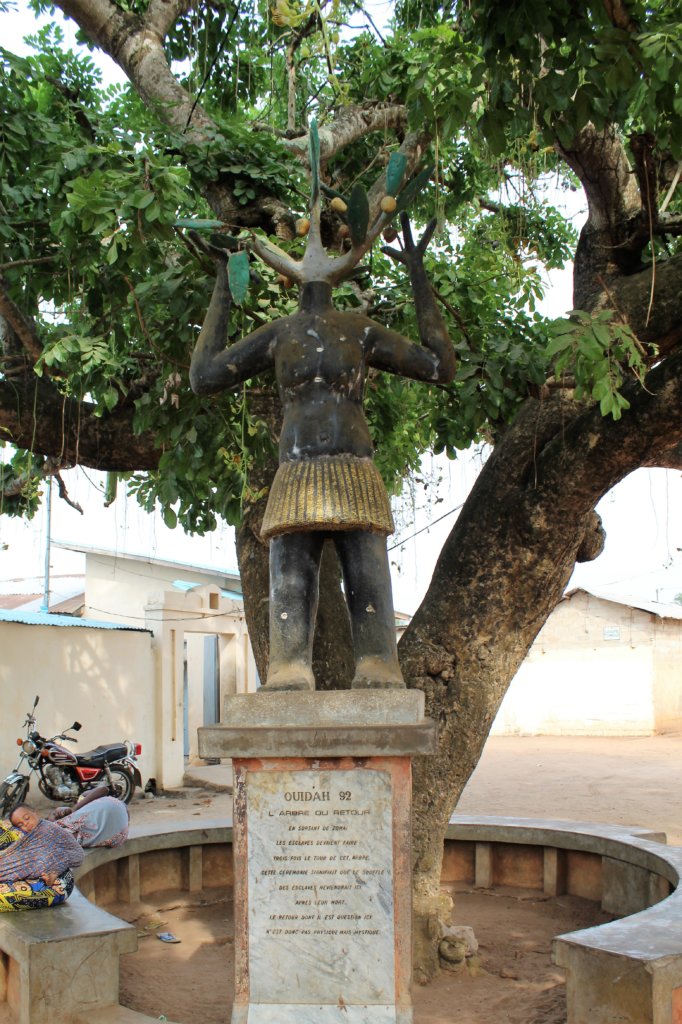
{"x": 361, "y": 723}
{"x": 322, "y": 862}
{"x": 63, "y": 962}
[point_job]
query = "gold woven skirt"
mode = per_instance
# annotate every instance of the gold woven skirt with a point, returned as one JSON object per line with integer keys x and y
{"x": 331, "y": 492}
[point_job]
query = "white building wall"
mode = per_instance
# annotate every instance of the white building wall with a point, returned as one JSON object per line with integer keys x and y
{"x": 102, "y": 678}
{"x": 597, "y": 668}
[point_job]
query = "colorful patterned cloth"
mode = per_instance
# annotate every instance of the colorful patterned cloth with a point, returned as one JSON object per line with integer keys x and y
{"x": 103, "y": 822}
{"x": 28, "y": 893}
{"x": 34, "y": 894}
{"x": 46, "y": 849}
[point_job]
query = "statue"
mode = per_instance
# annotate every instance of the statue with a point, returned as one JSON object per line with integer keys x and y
{"x": 327, "y": 485}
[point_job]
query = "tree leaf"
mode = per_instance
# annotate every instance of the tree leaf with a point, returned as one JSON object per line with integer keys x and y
{"x": 169, "y": 517}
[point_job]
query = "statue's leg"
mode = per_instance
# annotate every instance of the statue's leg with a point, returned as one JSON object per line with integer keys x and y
{"x": 364, "y": 561}
{"x": 294, "y": 588}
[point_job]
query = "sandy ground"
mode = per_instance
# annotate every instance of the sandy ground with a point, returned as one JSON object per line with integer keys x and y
{"x": 634, "y": 780}
{"x": 621, "y": 781}
{"x": 513, "y": 979}
{"x": 627, "y": 781}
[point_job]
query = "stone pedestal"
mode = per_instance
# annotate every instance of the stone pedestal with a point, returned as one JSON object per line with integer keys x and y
{"x": 322, "y": 824}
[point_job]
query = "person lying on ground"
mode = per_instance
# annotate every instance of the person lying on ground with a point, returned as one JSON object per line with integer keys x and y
{"x": 35, "y": 861}
{"x": 98, "y": 819}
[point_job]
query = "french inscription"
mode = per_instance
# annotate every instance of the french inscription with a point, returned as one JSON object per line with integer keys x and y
{"x": 320, "y": 881}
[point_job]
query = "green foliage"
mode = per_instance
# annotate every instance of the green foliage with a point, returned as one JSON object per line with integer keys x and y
{"x": 20, "y": 484}
{"x": 94, "y": 192}
{"x": 598, "y": 351}
{"x": 552, "y": 67}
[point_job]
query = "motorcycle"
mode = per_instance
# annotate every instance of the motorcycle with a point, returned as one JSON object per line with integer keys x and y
{"x": 64, "y": 776}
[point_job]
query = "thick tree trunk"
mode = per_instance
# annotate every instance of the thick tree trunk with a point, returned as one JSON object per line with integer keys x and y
{"x": 502, "y": 571}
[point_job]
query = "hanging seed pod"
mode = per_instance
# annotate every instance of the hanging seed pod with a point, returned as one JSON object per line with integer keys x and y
{"x": 338, "y": 205}
{"x": 388, "y": 204}
{"x": 389, "y": 234}
{"x": 302, "y": 226}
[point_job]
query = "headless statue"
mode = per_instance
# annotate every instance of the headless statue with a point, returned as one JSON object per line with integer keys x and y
{"x": 327, "y": 485}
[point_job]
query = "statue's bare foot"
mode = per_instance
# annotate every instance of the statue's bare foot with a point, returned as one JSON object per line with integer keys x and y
{"x": 374, "y": 673}
{"x": 290, "y": 676}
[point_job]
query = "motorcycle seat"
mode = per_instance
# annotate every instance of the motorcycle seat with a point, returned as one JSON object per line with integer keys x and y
{"x": 105, "y": 753}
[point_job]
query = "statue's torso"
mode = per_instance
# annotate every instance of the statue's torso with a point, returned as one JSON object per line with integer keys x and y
{"x": 320, "y": 369}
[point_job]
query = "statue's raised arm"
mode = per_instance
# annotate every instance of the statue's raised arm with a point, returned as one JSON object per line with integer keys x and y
{"x": 434, "y": 360}
{"x": 215, "y": 366}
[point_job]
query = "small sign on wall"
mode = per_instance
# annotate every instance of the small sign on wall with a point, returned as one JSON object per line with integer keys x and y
{"x": 611, "y": 632}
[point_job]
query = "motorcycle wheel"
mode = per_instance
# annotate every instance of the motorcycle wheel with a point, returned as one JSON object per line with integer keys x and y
{"x": 11, "y": 795}
{"x": 123, "y": 784}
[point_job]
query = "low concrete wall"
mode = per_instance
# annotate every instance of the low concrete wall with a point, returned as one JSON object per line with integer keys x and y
{"x": 628, "y": 971}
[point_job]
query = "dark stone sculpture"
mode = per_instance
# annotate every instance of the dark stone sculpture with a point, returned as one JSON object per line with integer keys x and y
{"x": 327, "y": 485}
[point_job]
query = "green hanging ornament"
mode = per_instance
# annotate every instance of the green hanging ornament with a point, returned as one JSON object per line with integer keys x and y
{"x": 395, "y": 172}
{"x": 238, "y": 276}
{"x": 357, "y": 215}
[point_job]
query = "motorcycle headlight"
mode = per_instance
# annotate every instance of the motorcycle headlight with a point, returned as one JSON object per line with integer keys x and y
{"x": 28, "y": 747}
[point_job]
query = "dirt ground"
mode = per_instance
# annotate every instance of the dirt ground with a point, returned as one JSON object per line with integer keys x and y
{"x": 512, "y": 980}
{"x": 626, "y": 781}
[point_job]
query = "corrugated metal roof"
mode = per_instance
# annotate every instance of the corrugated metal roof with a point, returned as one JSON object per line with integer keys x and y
{"x": 186, "y": 586}
{"x": 229, "y": 575}
{"x": 663, "y": 611}
{"x": 49, "y": 619}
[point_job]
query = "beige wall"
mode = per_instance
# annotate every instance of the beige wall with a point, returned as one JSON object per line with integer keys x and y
{"x": 597, "y": 668}
{"x": 101, "y": 677}
{"x": 140, "y": 592}
{"x": 668, "y": 677}
{"x": 119, "y": 589}
{"x": 177, "y": 618}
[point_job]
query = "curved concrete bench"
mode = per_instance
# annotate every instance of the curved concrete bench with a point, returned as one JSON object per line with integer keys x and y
{"x": 626, "y": 972}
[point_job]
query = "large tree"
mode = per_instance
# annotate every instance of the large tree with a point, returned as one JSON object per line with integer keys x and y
{"x": 102, "y": 289}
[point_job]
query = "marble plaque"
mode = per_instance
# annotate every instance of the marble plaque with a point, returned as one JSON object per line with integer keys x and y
{"x": 309, "y": 1014}
{"x": 320, "y": 889}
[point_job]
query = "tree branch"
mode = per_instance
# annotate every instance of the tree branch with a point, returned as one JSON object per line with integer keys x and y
{"x": 24, "y": 328}
{"x": 137, "y": 47}
{"x": 351, "y": 123}
{"x": 619, "y": 16}
{"x": 592, "y": 453}
{"x": 162, "y": 14}
{"x": 35, "y": 416}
